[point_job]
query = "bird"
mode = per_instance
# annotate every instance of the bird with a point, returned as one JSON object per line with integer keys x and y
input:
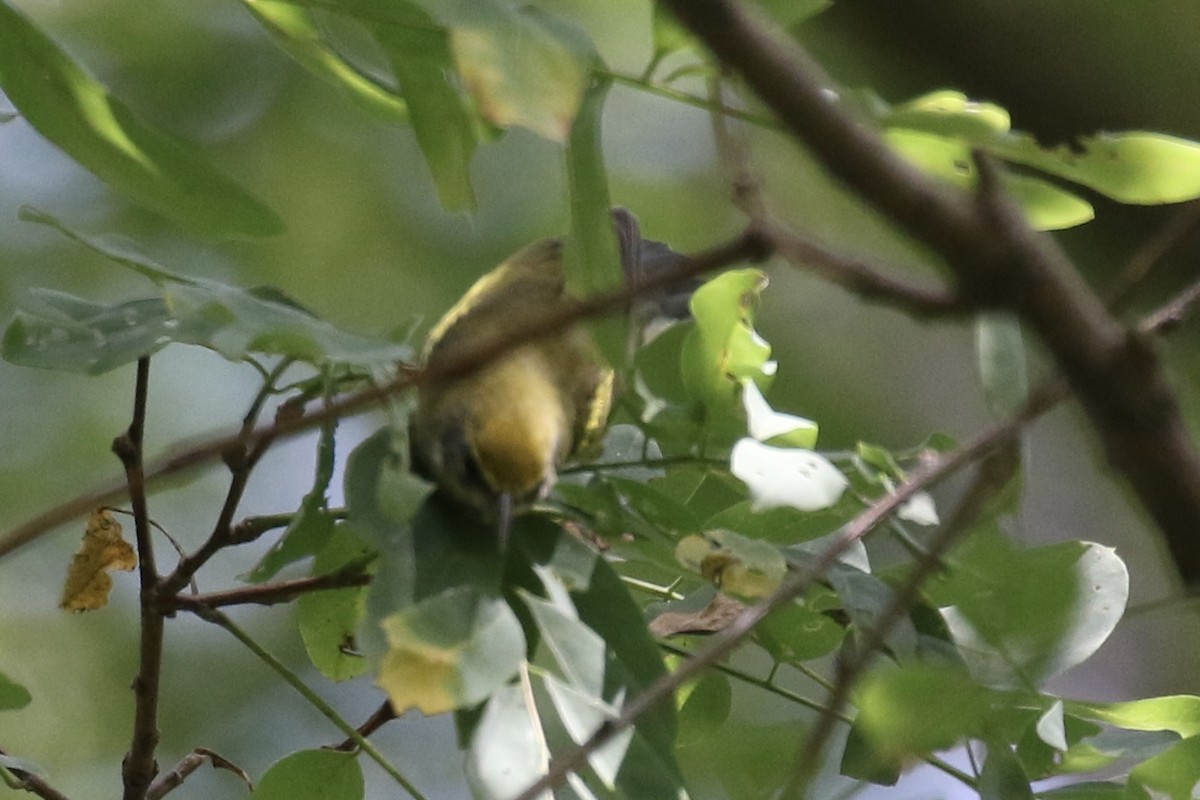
{"x": 494, "y": 439}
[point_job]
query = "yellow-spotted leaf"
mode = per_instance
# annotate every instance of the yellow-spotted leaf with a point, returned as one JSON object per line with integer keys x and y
{"x": 450, "y": 651}
{"x": 734, "y": 563}
{"x": 88, "y": 582}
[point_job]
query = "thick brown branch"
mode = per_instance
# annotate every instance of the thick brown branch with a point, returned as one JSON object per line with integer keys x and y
{"x": 997, "y": 260}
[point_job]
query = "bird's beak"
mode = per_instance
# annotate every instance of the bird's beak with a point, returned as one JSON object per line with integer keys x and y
{"x": 504, "y": 522}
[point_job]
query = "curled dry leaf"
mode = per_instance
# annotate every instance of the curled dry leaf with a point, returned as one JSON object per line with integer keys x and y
{"x": 714, "y": 617}
{"x": 88, "y": 582}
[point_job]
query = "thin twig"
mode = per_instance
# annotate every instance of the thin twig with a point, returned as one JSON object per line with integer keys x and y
{"x": 316, "y": 701}
{"x": 139, "y": 767}
{"x": 30, "y": 782}
{"x": 169, "y": 781}
{"x": 273, "y": 593}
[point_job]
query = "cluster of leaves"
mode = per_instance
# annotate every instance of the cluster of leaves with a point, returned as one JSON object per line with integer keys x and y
{"x": 704, "y": 498}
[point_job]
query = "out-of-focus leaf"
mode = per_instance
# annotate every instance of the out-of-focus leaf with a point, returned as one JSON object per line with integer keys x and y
{"x": 593, "y": 261}
{"x": 1040, "y": 611}
{"x": 12, "y": 694}
{"x": 58, "y": 331}
{"x": 1002, "y": 777}
{"x": 790, "y": 13}
{"x": 1178, "y": 713}
{"x": 863, "y": 761}
{"x": 1000, "y": 360}
{"x": 704, "y": 706}
{"x": 778, "y": 477}
{"x": 329, "y": 619}
{"x": 798, "y": 632}
{"x": 582, "y": 714}
{"x": 949, "y": 113}
{"x": 507, "y": 751}
{"x": 1091, "y": 790}
{"x": 88, "y": 582}
{"x": 298, "y": 34}
{"x": 70, "y": 108}
{"x": 1051, "y": 728}
{"x": 734, "y": 563}
{"x": 577, "y": 649}
{"x": 521, "y": 66}
{"x": 420, "y": 54}
{"x": 919, "y": 708}
{"x": 116, "y": 249}
{"x": 312, "y": 775}
{"x": 1174, "y": 773}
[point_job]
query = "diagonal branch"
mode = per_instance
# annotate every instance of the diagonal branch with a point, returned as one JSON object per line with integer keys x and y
{"x": 751, "y": 245}
{"x": 998, "y": 262}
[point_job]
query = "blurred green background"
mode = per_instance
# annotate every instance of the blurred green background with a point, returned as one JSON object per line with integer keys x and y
{"x": 368, "y": 247}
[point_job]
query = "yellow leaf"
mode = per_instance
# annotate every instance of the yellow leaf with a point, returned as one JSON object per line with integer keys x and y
{"x": 418, "y": 674}
{"x": 88, "y": 582}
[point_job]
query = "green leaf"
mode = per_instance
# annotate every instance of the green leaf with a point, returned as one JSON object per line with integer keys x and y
{"x": 521, "y": 66}
{"x": 329, "y": 619}
{"x": 1130, "y": 167}
{"x": 1000, "y": 359}
{"x": 296, "y": 31}
{"x": 70, "y": 108}
{"x": 312, "y": 775}
{"x": 660, "y": 510}
{"x": 919, "y": 708}
{"x": 507, "y": 751}
{"x": 722, "y": 349}
{"x": 1040, "y": 610}
{"x": 1172, "y": 774}
{"x": 12, "y": 694}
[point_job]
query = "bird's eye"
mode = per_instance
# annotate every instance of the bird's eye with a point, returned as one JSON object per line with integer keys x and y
{"x": 472, "y": 472}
